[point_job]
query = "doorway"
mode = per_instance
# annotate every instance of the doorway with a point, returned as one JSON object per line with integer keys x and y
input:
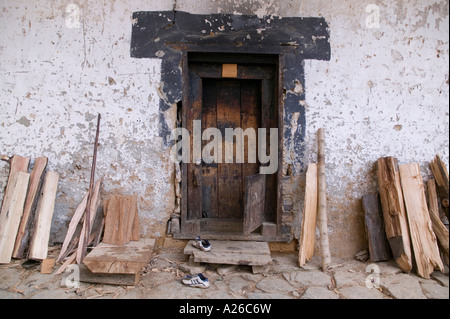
{"x": 228, "y": 198}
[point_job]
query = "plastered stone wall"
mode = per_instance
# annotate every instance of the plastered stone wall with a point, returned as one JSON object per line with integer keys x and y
{"x": 384, "y": 92}
{"x": 60, "y": 67}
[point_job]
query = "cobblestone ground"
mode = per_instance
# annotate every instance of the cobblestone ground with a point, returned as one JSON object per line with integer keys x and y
{"x": 161, "y": 278}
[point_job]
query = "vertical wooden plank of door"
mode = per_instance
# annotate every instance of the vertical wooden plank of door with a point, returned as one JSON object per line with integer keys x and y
{"x": 229, "y": 174}
{"x": 194, "y": 181}
{"x": 250, "y": 118}
{"x": 255, "y": 187}
{"x": 209, "y": 170}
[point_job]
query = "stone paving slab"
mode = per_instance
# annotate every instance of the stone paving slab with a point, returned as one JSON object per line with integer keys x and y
{"x": 161, "y": 278}
{"x": 402, "y": 286}
{"x": 307, "y": 278}
{"x": 361, "y": 292}
{"x": 319, "y": 293}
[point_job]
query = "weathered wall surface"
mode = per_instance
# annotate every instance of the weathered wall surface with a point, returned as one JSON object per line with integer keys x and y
{"x": 384, "y": 92}
{"x": 58, "y": 71}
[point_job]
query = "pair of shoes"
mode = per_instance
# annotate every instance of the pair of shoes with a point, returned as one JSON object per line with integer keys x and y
{"x": 197, "y": 281}
{"x": 202, "y": 244}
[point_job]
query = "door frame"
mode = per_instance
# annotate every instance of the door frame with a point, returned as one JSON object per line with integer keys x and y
{"x": 190, "y": 226}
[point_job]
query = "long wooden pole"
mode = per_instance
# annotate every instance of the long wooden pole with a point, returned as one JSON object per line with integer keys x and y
{"x": 322, "y": 201}
{"x": 87, "y": 218}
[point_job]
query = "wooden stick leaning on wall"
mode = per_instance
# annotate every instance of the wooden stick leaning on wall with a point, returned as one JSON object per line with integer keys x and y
{"x": 322, "y": 201}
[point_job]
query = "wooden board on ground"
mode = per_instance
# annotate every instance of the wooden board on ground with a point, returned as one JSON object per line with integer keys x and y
{"x": 232, "y": 253}
{"x": 373, "y": 218}
{"x": 308, "y": 234}
{"x": 394, "y": 213}
{"x": 426, "y": 251}
{"x": 110, "y": 279}
{"x": 43, "y": 219}
{"x": 26, "y": 223}
{"x": 12, "y": 209}
{"x": 120, "y": 259}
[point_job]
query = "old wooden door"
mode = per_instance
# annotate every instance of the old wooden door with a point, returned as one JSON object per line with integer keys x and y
{"x": 216, "y": 191}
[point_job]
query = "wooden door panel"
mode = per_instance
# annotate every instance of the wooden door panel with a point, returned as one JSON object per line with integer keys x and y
{"x": 250, "y": 118}
{"x": 229, "y": 174}
{"x": 194, "y": 180}
{"x": 255, "y": 187}
{"x": 209, "y": 171}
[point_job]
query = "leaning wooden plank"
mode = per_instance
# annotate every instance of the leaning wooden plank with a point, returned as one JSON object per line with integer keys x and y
{"x": 441, "y": 175}
{"x": 11, "y": 213}
{"x": 394, "y": 213}
{"x": 43, "y": 219}
{"x": 113, "y": 231}
{"x": 426, "y": 251}
{"x": 16, "y": 164}
{"x": 373, "y": 219}
{"x": 308, "y": 234}
{"x": 121, "y": 222}
{"x": 439, "y": 228}
{"x": 110, "y": 279}
{"x": 135, "y": 234}
{"x": 79, "y": 212}
{"x": 71, "y": 259}
{"x": 95, "y": 201}
{"x": 120, "y": 259}
{"x": 23, "y": 234}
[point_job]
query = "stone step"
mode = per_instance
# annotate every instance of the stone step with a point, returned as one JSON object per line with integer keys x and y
{"x": 232, "y": 253}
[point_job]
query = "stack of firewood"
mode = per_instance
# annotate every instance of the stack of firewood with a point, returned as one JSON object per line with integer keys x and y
{"x": 402, "y": 222}
{"x": 27, "y": 209}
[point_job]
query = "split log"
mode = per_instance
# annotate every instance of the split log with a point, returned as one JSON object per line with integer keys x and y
{"x": 43, "y": 219}
{"x": 23, "y": 234}
{"x": 441, "y": 175}
{"x": 373, "y": 217}
{"x": 308, "y": 235}
{"x": 394, "y": 213}
{"x": 426, "y": 251}
{"x": 322, "y": 201}
{"x": 439, "y": 228}
{"x": 11, "y": 213}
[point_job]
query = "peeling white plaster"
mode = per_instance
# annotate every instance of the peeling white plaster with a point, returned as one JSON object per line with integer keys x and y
{"x": 384, "y": 92}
